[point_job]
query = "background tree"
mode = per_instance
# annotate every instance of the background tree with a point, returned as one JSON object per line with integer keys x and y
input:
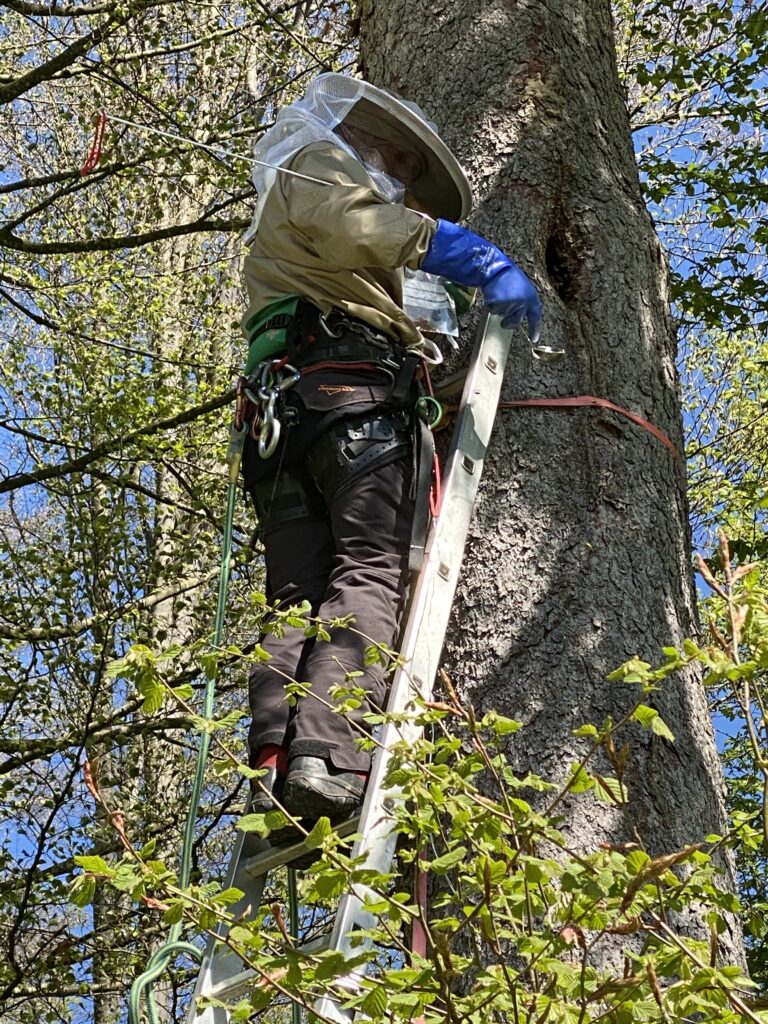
{"x": 120, "y": 335}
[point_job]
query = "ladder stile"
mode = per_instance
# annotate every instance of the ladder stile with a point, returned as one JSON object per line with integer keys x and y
{"x": 222, "y": 974}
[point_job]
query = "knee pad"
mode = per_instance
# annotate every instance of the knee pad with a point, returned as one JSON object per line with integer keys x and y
{"x": 355, "y": 445}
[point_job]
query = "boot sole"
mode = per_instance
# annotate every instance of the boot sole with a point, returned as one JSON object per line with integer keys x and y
{"x": 303, "y": 801}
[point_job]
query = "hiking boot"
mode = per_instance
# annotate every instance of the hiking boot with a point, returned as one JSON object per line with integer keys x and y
{"x": 315, "y": 789}
{"x": 273, "y": 761}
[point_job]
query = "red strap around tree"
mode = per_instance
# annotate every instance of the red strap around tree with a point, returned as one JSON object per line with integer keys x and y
{"x": 591, "y": 400}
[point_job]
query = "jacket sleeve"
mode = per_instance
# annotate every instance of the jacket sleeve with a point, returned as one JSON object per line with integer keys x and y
{"x": 346, "y": 222}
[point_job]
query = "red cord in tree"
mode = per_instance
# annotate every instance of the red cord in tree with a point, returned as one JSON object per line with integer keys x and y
{"x": 94, "y": 155}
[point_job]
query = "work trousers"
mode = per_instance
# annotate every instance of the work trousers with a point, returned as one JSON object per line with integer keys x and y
{"x": 346, "y": 554}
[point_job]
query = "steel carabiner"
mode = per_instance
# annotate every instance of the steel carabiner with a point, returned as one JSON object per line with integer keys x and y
{"x": 270, "y": 428}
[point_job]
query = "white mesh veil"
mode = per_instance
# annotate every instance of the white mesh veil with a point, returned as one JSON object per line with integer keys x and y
{"x": 329, "y": 100}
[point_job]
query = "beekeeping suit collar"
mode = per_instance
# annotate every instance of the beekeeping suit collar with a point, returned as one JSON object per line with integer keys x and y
{"x": 332, "y": 100}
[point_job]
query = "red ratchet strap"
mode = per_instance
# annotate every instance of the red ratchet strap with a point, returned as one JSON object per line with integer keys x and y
{"x": 436, "y": 490}
{"x": 601, "y": 403}
{"x": 96, "y": 146}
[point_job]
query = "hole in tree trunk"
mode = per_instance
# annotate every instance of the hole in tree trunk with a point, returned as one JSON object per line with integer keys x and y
{"x": 563, "y": 263}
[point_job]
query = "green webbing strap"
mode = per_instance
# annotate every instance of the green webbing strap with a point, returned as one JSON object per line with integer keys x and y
{"x": 263, "y": 341}
{"x": 160, "y": 959}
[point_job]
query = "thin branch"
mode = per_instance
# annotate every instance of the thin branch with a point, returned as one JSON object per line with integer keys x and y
{"x": 16, "y": 87}
{"x": 12, "y": 241}
{"x": 53, "y": 10}
{"x": 115, "y": 444}
{"x": 43, "y": 633}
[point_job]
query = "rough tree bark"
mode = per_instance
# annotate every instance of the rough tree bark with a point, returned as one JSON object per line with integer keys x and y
{"x": 579, "y": 556}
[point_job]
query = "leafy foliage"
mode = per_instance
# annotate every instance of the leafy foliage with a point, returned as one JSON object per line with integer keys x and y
{"x": 520, "y": 924}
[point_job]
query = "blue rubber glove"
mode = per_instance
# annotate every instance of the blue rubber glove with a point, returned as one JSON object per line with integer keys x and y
{"x": 466, "y": 258}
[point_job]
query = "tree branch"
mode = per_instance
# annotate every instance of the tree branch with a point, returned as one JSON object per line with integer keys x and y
{"x": 12, "y": 483}
{"x": 43, "y": 633}
{"x": 12, "y": 241}
{"x": 16, "y": 87}
{"x": 53, "y": 10}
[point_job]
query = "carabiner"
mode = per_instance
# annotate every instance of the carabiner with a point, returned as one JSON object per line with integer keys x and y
{"x": 270, "y": 429}
{"x": 292, "y": 376}
{"x": 329, "y": 330}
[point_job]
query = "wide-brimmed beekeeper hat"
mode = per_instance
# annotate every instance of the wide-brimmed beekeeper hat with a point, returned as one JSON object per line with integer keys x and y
{"x": 443, "y": 185}
{"x": 331, "y": 100}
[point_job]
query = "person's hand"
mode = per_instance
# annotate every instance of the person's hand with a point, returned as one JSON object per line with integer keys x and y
{"x": 467, "y": 258}
{"x": 510, "y": 295}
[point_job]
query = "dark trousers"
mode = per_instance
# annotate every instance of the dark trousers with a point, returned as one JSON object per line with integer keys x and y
{"x": 347, "y": 555}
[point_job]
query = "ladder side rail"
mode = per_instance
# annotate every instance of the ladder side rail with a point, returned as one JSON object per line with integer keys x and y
{"x": 427, "y": 624}
{"x": 221, "y": 967}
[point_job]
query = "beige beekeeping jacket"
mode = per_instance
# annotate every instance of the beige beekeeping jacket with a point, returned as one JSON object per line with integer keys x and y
{"x": 338, "y": 245}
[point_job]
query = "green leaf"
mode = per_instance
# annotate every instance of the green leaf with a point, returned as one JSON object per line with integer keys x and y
{"x": 610, "y": 790}
{"x": 644, "y": 715}
{"x": 504, "y": 726}
{"x": 125, "y": 878}
{"x": 448, "y": 860}
{"x": 650, "y": 718}
{"x": 587, "y": 730}
{"x": 229, "y": 896}
{"x": 96, "y": 865}
{"x": 636, "y": 861}
{"x": 253, "y": 823}
{"x": 581, "y": 781}
{"x": 333, "y": 964}
{"x": 174, "y": 914}
{"x": 321, "y": 830}
{"x": 660, "y": 728}
{"x": 83, "y": 891}
{"x": 375, "y": 1002}
{"x": 229, "y": 720}
{"x": 148, "y": 849}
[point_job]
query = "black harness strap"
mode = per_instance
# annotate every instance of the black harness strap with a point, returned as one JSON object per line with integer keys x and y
{"x": 401, "y": 394}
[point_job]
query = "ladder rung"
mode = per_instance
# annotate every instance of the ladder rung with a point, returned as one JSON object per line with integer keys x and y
{"x": 231, "y": 987}
{"x": 276, "y": 856}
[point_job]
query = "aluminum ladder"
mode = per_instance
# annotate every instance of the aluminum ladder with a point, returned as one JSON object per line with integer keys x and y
{"x": 222, "y": 974}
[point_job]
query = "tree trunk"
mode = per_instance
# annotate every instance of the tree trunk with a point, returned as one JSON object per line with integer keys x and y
{"x": 579, "y": 556}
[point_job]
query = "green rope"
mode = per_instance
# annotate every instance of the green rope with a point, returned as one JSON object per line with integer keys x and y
{"x": 160, "y": 960}
{"x": 293, "y": 910}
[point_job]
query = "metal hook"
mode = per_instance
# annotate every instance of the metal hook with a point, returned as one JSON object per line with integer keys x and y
{"x": 328, "y": 330}
{"x": 546, "y": 354}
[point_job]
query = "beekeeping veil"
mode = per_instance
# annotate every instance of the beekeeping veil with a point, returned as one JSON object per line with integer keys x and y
{"x": 332, "y": 100}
